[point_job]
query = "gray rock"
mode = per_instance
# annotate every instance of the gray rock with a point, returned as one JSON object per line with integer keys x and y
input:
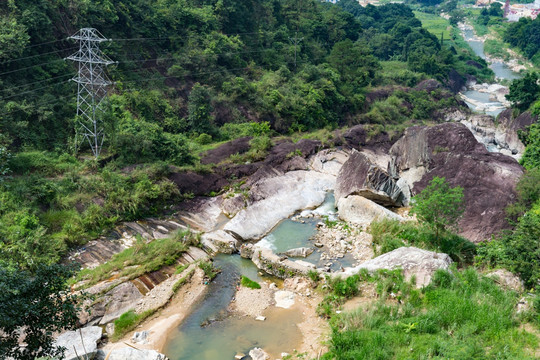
{"x": 299, "y": 252}
{"x": 222, "y": 241}
{"x": 140, "y": 337}
{"x": 122, "y": 298}
{"x": 276, "y": 199}
{"x": 258, "y": 354}
{"x": 360, "y": 176}
{"x": 450, "y": 150}
{"x": 420, "y": 263}
{"x": 361, "y": 211}
{"x": 507, "y": 279}
{"x": 129, "y": 353}
{"x": 80, "y": 342}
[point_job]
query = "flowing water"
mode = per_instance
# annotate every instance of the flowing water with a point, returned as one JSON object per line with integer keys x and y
{"x": 223, "y": 335}
{"x": 290, "y": 234}
{"x": 482, "y": 101}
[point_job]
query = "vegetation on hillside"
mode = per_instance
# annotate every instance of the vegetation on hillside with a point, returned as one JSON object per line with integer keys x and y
{"x": 190, "y": 75}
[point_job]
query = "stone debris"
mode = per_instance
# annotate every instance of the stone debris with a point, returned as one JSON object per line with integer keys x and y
{"x": 80, "y": 343}
{"x": 258, "y": 354}
{"x": 284, "y": 299}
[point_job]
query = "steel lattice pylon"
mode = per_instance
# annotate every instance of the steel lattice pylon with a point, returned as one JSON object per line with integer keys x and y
{"x": 92, "y": 83}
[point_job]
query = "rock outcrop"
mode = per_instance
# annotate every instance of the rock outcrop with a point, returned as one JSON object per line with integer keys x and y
{"x": 80, "y": 343}
{"x": 277, "y": 198}
{"x": 360, "y": 176}
{"x": 451, "y": 151}
{"x": 415, "y": 262}
{"x": 361, "y": 211}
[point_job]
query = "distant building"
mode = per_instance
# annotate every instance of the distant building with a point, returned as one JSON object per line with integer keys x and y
{"x": 517, "y": 11}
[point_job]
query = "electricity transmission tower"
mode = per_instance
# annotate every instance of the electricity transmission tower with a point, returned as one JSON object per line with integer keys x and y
{"x": 92, "y": 84}
{"x": 296, "y": 40}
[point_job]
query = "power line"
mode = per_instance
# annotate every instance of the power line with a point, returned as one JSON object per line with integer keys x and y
{"x": 55, "y": 100}
{"x": 196, "y": 55}
{"x": 36, "y": 82}
{"x": 182, "y": 36}
{"x": 31, "y": 91}
{"x": 30, "y": 67}
{"x": 38, "y": 55}
{"x": 45, "y": 43}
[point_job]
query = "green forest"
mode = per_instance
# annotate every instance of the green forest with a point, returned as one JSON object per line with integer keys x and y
{"x": 190, "y": 75}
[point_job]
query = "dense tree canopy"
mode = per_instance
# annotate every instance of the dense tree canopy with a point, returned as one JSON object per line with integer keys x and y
{"x": 34, "y": 305}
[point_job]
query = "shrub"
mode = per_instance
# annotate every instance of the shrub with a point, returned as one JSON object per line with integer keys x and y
{"x": 209, "y": 270}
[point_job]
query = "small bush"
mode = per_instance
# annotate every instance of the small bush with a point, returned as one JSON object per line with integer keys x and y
{"x": 314, "y": 276}
{"x": 247, "y": 282}
{"x": 209, "y": 270}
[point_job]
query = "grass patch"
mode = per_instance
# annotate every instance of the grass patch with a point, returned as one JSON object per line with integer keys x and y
{"x": 434, "y": 24}
{"x": 127, "y": 322}
{"x": 459, "y": 316}
{"x": 141, "y": 258}
{"x": 247, "y": 282}
{"x": 184, "y": 279}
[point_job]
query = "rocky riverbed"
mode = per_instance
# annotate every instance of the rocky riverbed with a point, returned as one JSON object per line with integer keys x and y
{"x": 370, "y": 182}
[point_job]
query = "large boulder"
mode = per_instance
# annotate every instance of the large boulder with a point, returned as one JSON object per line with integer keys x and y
{"x": 361, "y": 211}
{"x": 81, "y": 343}
{"x": 451, "y": 151}
{"x": 129, "y": 353}
{"x": 415, "y": 262}
{"x": 360, "y": 176}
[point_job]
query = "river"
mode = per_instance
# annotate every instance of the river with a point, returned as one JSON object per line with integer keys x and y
{"x": 483, "y": 98}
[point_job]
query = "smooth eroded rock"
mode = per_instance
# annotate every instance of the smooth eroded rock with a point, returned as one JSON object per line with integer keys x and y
{"x": 129, "y": 353}
{"x": 420, "y": 263}
{"x": 361, "y": 211}
{"x": 277, "y": 198}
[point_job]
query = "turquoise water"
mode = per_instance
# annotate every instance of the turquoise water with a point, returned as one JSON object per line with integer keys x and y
{"x": 289, "y": 234}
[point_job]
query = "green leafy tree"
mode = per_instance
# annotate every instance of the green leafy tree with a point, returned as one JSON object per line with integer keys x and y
{"x": 200, "y": 119}
{"x": 523, "y": 92}
{"x": 4, "y": 156}
{"x": 36, "y": 305}
{"x": 439, "y": 206}
{"x": 531, "y": 157}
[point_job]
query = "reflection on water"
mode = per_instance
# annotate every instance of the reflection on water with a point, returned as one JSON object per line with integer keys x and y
{"x": 227, "y": 335}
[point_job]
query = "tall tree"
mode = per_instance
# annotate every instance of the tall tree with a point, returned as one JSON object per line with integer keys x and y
{"x": 32, "y": 308}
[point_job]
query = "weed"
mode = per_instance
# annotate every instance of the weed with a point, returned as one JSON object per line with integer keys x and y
{"x": 313, "y": 275}
{"x": 177, "y": 285}
{"x": 127, "y": 322}
{"x": 209, "y": 270}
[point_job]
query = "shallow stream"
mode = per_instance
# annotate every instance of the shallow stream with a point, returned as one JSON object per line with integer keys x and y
{"x": 481, "y": 101}
{"x": 224, "y": 335}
